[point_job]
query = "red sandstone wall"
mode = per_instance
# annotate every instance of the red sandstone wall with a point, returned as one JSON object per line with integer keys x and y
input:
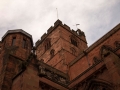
{"x": 66, "y": 35}
{"x": 28, "y": 80}
{"x": 82, "y": 64}
{"x": 41, "y": 54}
{"x": 21, "y": 52}
{"x": 17, "y": 83}
{"x": 61, "y": 43}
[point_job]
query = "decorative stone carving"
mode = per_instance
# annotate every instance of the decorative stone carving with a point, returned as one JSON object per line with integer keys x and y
{"x": 42, "y": 71}
{"x": 63, "y": 80}
{"x": 117, "y": 44}
{"x": 105, "y": 51}
{"x": 49, "y": 74}
{"x": 96, "y": 60}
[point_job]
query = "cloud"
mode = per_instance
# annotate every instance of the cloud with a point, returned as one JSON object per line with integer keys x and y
{"x": 35, "y": 17}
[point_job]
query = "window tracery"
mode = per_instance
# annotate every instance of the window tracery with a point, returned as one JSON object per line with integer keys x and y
{"x": 47, "y": 44}
{"x": 74, "y": 41}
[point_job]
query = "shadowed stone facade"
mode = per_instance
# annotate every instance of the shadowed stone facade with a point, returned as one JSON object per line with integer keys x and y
{"x": 60, "y": 60}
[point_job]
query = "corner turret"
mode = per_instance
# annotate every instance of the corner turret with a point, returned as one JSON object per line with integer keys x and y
{"x": 18, "y": 43}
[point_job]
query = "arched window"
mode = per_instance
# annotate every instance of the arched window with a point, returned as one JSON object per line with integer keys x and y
{"x": 98, "y": 84}
{"x": 74, "y": 41}
{"x": 52, "y": 53}
{"x": 47, "y": 44}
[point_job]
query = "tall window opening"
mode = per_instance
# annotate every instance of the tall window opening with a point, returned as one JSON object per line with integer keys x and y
{"x": 74, "y": 41}
{"x": 52, "y": 53}
{"x": 13, "y": 41}
{"x": 24, "y": 44}
{"x": 47, "y": 44}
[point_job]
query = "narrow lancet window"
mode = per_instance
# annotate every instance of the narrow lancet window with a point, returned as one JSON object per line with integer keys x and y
{"x": 13, "y": 41}
{"x": 47, "y": 44}
{"x": 24, "y": 44}
{"x": 52, "y": 53}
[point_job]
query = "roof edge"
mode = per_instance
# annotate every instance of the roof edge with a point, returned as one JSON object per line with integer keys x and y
{"x": 103, "y": 38}
{"x": 18, "y": 31}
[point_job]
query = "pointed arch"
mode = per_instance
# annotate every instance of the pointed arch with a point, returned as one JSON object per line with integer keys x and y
{"x": 74, "y": 40}
{"x": 98, "y": 84}
{"x": 47, "y": 43}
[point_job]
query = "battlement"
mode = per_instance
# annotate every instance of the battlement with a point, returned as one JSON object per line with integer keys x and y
{"x": 78, "y": 32}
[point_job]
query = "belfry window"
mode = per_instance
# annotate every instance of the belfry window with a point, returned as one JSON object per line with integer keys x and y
{"x": 47, "y": 44}
{"x": 13, "y": 41}
{"x": 74, "y": 41}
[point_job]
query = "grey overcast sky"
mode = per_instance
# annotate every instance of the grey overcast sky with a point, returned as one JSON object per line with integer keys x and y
{"x": 96, "y": 17}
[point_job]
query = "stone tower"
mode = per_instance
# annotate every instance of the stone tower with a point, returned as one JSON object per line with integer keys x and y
{"x": 19, "y": 41}
{"x": 60, "y": 45}
{"x": 18, "y": 44}
{"x": 61, "y": 60}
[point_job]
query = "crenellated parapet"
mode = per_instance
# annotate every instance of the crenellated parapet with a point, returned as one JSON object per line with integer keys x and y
{"x": 77, "y": 33}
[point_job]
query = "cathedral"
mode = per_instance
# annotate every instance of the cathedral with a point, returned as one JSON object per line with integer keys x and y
{"x": 60, "y": 60}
